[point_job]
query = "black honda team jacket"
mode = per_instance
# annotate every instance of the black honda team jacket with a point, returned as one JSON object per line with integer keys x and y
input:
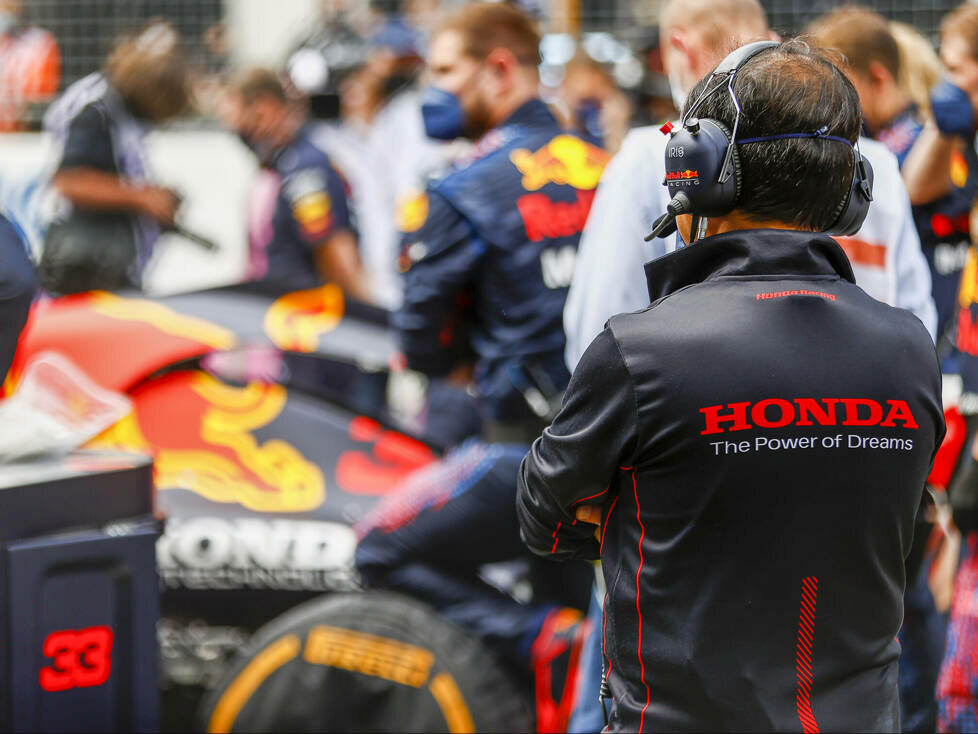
{"x": 758, "y": 439}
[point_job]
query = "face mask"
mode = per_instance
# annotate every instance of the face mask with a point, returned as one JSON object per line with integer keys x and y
{"x": 442, "y": 114}
{"x": 678, "y": 93}
{"x": 588, "y": 114}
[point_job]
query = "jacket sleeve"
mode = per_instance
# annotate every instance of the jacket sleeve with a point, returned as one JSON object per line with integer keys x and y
{"x": 609, "y": 277}
{"x": 440, "y": 257}
{"x": 574, "y": 461}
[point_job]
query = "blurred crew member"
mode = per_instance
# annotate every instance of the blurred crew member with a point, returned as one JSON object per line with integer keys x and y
{"x": 955, "y": 102}
{"x": 103, "y": 176}
{"x": 874, "y": 65}
{"x": 18, "y": 284}
{"x": 30, "y": 68}
{"x": 368, "y": 119}
{"x": 504, "y": 226}
{"x": 397, "y": 144}
{"x": 596, "y": 107}
{"x": 488, "y": 252}
{"x": 301, "y": 230}
{"x": 750, "y": 480}
{"x": 885, "y": 253}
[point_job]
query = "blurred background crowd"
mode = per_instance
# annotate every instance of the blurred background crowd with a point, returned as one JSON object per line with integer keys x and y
{"x": 591, "y": 45}
{"x": 601, "y": 72}
{"x": 46, "y": 45}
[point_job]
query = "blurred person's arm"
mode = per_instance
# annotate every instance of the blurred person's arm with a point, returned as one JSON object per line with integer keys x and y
{"x": 571, "y": 465}
{"x": 927, "y": 168}
{"x": 338, "y": 261}
{"x": 440, "y": 254}
{"x": 609, "y": 275}
{"x": 87, "y": 174}
{"x": 91, "y": 188}
{"x": 321, "y": 211}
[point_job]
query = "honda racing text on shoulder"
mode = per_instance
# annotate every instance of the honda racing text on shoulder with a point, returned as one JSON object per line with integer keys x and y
{"x": 774, "y": 413}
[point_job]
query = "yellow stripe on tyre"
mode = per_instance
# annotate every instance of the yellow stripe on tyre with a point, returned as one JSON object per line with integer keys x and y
{"x": 255, "y": 673}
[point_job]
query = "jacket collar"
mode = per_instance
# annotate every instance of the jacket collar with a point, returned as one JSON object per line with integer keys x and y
{"x": 748, "y": 253}
{"x": 533, "y": 113}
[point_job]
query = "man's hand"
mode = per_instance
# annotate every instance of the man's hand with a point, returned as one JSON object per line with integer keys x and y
{"x": 159, "y": 203}
{"x": 590, "y": 514}
{"x": 90, "y": 188}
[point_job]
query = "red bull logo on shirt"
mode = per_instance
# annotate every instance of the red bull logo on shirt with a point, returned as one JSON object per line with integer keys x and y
{"x": 564, "y": 160}
{"x": 544, "y": 218}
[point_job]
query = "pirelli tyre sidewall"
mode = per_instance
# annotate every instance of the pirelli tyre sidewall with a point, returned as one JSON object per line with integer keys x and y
{"x": 370, "y": 661}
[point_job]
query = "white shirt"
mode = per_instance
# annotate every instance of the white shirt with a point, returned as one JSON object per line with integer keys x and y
{"x": 609, "y": 276}
{"x": 385, "y": 163}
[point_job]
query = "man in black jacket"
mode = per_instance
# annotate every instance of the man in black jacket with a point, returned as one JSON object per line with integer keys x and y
{"x": 752, "y": 447}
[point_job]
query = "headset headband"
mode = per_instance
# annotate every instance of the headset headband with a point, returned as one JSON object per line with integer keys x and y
{"x": 820, "y": 134}
{"x": 738, "y": 57}
{"x": 728, "y": 68}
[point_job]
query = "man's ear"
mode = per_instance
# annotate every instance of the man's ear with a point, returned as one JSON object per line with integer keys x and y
{"x": 503, "y": 65}
{"x": 878, "y": 75}
{"x": 677, "y": 41}
{"x": 501, "y": 61}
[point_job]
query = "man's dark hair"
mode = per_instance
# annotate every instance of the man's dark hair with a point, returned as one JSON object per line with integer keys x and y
{"x": 258, "y": 82}
{"x": 150, "y": 73}
{"x": 790, "y": 89}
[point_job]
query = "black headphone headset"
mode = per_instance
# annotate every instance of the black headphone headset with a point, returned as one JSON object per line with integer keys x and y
{"x": 703, "y": 165}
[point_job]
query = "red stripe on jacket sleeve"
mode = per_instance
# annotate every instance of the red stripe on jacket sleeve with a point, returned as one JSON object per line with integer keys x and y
{"x": 804, "y": 654}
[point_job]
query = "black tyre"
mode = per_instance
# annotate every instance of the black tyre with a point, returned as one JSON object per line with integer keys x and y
{"x": 372, "y": 661}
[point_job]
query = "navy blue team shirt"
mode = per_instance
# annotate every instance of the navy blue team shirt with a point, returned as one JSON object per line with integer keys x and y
{"x": 312, "y": 203}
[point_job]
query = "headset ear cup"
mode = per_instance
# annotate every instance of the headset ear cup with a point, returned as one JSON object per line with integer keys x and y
{"x": 841, "y": 209}
{"x": 854, "y": 206}
{"x": 694, "y": 164}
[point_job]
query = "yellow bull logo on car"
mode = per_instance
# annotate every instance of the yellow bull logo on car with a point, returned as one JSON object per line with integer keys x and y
{"x": 297, "y": 320}
{"x": 564, "y": 160}
{"x": 201, "y": 433}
